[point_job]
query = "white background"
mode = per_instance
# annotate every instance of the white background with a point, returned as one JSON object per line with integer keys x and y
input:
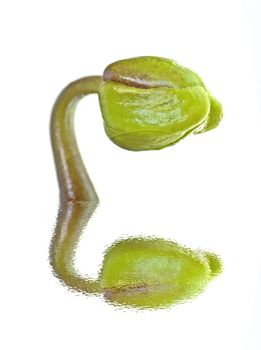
{"x": 204, "y": 192}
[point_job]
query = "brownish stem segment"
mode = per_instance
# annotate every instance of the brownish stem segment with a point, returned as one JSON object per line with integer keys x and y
{"x": 78, "y": 198}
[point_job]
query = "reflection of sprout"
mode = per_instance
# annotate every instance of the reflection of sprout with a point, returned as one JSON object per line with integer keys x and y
{"x": 147, "y": 103}
{"x": 145, "y": 272}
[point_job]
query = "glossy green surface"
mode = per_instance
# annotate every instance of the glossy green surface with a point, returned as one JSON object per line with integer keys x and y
{"x": 151, "y": 103}
{"x": 153, "y": 273}
{"x": 153, "y": 118}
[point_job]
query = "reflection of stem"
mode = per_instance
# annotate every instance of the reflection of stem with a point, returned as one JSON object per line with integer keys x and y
{"x": 77, "y": 194}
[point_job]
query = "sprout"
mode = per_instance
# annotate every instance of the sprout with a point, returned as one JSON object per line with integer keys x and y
{"x": 147, "y": 103}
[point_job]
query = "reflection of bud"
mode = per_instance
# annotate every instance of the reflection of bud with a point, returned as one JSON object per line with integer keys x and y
{"x": 151, "y": 273}
{"x": 151, "y": 103}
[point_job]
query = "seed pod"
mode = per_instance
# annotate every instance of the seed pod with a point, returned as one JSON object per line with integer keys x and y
{"x": 151, "y": 103}
{"x": 153, "y": 273}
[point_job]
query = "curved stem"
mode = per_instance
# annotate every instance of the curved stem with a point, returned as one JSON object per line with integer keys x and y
{"x": 78, "y": 198}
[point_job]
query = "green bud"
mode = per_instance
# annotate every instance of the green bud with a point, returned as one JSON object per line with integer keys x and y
{"x": 151, "y": 103}
{"x": 154, "y": 273}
